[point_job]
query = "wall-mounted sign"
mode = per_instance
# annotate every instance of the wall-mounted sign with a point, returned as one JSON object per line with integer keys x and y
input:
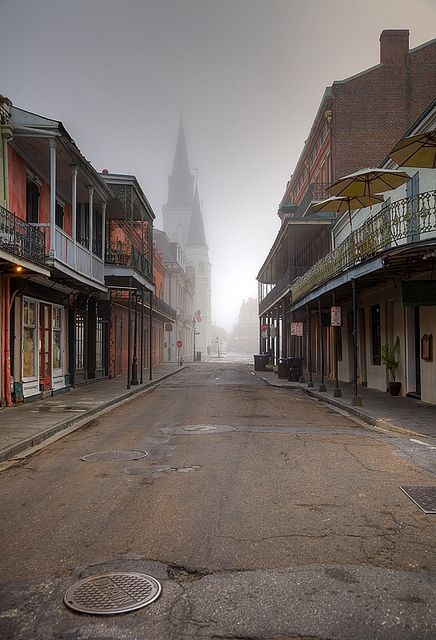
{"x": 168, "y": 327}
{"x": 335, "y": 318}
{"x": 296, "y": 328}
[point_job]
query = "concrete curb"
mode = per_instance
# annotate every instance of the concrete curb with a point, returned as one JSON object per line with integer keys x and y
{"x": 358, "y": 413}
{"x": 84, "y": 419}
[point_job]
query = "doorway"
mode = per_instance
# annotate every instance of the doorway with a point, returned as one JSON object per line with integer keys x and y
{"x": 45, "y": 347}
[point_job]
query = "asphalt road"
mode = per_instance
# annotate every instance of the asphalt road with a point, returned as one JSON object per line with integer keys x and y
{"x": 264, "y": 513}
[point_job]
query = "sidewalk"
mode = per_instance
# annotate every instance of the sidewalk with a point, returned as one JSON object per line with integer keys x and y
{"x": 25, "y": 426}
{"x": 379, "y": 408}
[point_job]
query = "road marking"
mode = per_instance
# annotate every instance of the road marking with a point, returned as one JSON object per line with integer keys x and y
{"x": 424, "y": 443}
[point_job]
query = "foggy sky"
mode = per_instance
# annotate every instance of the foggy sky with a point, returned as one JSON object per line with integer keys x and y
{"x": 248, "y": 76}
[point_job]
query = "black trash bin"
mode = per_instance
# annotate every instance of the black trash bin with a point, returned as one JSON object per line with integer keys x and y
{"x": 283, "y": 368}
{"x": 260, "y": 360}
{"x": 295, "y": 369}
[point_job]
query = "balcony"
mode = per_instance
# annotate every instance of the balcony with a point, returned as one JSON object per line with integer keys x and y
{"x": 20, "y": 238}
{"x": 77, "y": 257}
{"x": 125, "y": 254}
{"x": 281, "y": 288}
{"x": 405, "y": 222}
{"x": 164, "y": 309}
{"x": 316, "y": 192}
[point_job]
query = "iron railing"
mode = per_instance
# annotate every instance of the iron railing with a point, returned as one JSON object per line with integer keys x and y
{"x": 280, "y": 288}
{"x": 164, "y": 309}
{"x": 21, "y": 238}
{"x": 316, "y": 192}
{"x": 403, "y": 222}
{"x": 127, "y": 255}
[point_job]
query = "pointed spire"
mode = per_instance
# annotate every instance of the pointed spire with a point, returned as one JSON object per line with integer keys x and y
{"x": 196, "y": 234}
{"x": 181, "y": 181}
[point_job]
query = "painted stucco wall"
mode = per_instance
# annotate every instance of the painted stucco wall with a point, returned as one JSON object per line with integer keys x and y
{"x": 428, "y": 369}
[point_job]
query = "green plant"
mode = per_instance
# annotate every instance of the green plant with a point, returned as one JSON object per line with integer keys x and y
{"x": 390, "y": 357}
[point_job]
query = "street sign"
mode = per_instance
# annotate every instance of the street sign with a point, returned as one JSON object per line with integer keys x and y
{"x": 296, "y": 328}
{"x": 335, "y": 319}
{"x": 179, "y": 344}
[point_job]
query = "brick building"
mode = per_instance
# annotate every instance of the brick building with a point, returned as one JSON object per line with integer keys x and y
{"x": 357, "y": 122}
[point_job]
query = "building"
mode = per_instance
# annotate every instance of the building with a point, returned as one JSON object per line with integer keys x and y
{"x": 179, "y": 288}
{"x": 54, "y": 297}
{"x": 135, "y": 276}
{"x": 244, "y": 338}
{"x": 357, "y": 122}
{"x": 183, "y": 223}
{"x": 381, "y": 276}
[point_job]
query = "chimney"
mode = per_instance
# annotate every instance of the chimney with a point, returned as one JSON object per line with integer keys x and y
{"x": 394, "y": 47}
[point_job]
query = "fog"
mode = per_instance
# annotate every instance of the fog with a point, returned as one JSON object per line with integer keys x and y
{"x": 247, "y": 75}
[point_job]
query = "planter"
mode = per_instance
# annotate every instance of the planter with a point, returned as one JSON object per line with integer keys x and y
{"x": 394, "y": 388}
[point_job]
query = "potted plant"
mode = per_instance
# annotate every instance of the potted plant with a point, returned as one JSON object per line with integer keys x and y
{"x": 390, "y": 357}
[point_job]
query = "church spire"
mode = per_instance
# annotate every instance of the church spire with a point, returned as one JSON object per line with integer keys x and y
{"x": 196, "y": 234}
{"x": 180, "y": 182}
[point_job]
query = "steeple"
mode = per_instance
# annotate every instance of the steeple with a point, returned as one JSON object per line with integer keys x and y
{"x": 180, "y": 182}
{"x": 196, "y": 234}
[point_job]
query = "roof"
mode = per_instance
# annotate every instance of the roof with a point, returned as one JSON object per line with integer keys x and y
{"x": 196, "y": 234}
{"x": 164, "y": 246}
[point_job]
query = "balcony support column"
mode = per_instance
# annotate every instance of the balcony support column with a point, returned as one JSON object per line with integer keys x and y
{"x": 356, "y": 399}
{"x": 91, "y": 219}
{"x": 322, "y": 386}
{"x": 309, "y": 337}
{"x": 103, "y": 231}
{"x": 337, "y": 393}
{"x": 74, "y": 211}
{"x": 278, "y": 350}
{"x": 52, "y": 249}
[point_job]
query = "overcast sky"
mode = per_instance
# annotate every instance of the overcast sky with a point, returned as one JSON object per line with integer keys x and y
{"x": 248, "y": 76}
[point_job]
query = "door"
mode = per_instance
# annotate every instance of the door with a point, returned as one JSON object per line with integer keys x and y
{"x": 45, "y": 346}
{"x": 362, "y": 347}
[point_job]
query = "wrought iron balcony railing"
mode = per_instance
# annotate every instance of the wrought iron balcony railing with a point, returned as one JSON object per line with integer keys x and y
{"x": 127, "y": 255}
{"x": 403, "y": 222}
{"x": 316, "y": 192}
{"x": 165, "y": 309}
{"x": 21, "y": 238}
{"x": 280, "y": 288}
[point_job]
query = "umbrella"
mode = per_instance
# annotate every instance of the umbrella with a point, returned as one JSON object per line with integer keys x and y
{"x": 341, "y": 204}
{"x": 367, "y": 182}
{"x": 416, "y": 151}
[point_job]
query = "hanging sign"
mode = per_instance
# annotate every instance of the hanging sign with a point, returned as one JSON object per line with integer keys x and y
{"x": 296, "y": 328}
{"x": 335, "y": 317}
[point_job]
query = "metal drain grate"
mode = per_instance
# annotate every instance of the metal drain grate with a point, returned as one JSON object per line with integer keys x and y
{"x": 111, "y": 593}
{"x": 423, "y": 497}
{"x": 114, "y": 456}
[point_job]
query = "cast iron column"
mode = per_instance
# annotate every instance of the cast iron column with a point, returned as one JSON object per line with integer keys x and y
{"x": 337, "y": 392}
{"x": 322, "y": 385}
{"x": 309, "y": 351}
{"x": 356, "y": 400}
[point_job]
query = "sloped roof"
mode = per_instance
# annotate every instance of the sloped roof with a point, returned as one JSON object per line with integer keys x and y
{"x": 196, "y": 233}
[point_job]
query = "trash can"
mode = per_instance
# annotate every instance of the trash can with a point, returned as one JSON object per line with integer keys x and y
{"x": 260, "y": 360}
{"x": 283, "y": 368}
{"x": 295, "y": 369}
{"x": 198, "y": 356}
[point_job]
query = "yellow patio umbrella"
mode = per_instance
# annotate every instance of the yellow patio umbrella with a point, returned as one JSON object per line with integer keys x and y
{"x": 416, "y": 151}
{"x": 342, "y": 204}
{"x": 368, "y": 182}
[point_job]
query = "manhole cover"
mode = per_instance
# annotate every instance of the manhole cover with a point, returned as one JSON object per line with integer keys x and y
{"x": 423, "y": 497}
{"x": 111, "y": 593}
{"x": 113, "y": 456}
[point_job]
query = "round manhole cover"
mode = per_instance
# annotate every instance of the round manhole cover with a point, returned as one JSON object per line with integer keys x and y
{"x": 113, "y": 456}
{"x": 111, "y": 593}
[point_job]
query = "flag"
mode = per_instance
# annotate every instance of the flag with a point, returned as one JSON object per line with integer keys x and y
{"x": 197, "y": 316}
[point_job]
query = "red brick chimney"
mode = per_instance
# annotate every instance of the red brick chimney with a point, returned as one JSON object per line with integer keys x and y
{"x": 394, "y": 47}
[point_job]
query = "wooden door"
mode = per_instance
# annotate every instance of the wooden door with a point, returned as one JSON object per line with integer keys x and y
{"x": 45, "y": 346}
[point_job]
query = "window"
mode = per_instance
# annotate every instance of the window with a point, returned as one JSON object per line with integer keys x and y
{"x": 97, "y": 233}
{"x": 375, "y": 334}
{"x": 59, "y": 215}
{"x": 82, "y": 224}
{"x": 30, "y": 333}
{"x": 32, "y": 201}
{"x": 57, "y": 337}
